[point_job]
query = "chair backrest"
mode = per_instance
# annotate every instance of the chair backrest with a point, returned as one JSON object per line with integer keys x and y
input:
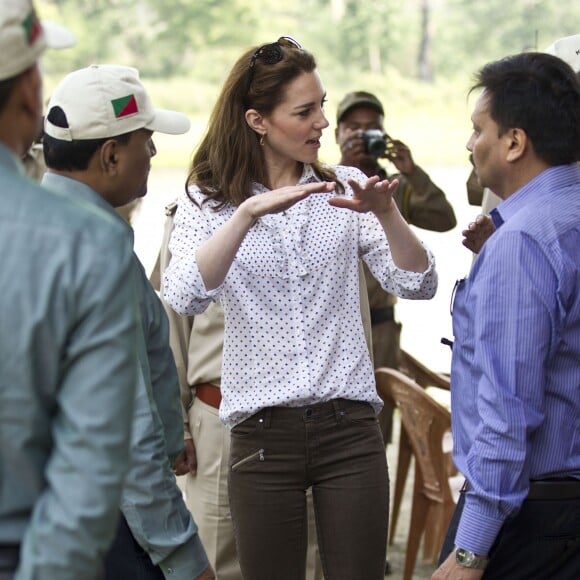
{"x": 421, "y": 374}
{"x": 425, "y": 422}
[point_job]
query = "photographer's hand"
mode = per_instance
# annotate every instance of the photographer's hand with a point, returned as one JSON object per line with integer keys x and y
{"x": 400, "y": 155}
{"x": 352, "y": 149}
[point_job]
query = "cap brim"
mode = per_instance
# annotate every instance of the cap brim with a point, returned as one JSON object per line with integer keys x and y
{"x": 170, "y": 122}
{"x": 57, "y": 36}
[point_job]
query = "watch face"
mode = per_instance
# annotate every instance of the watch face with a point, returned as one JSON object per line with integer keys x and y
{"x": 464, "y": 557}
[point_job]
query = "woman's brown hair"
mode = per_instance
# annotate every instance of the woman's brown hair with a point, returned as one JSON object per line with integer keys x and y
{"x": 230, "y": 157}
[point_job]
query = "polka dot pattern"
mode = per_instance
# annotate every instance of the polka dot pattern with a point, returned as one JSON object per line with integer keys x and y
{"x": 291, "y": 299}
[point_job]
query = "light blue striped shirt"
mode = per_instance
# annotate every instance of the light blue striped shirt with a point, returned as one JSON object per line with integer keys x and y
{"x": 515, "y": 372}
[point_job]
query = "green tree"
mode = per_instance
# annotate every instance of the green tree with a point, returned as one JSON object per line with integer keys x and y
{"x": 471, "y": 33}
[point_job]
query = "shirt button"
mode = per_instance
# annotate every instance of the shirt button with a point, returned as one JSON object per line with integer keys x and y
{"x": 170, "y": 570}
{"x": 308, "y": 413}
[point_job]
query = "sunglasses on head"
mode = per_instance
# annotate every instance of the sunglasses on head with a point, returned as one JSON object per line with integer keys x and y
{"x": 271, "y": 54}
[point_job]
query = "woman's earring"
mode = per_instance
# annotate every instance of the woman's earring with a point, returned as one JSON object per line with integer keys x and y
{"x": 262, "y": 139}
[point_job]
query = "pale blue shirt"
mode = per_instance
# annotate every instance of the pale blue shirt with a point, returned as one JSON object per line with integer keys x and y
{"x": 68, "y": 366}
{"x": 152, "y": 503}
{"x": 515, "y": 373}
{"x": 293, "y": 329}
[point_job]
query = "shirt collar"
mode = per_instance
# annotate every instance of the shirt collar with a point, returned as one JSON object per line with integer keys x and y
{"x": 78, "y": 190}
{"x": 535, "y": 190}
{"x": 496, "y": 218}
{"x": 308, "y": 176}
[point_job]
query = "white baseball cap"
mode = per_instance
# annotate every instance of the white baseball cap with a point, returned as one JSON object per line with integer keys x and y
{"x": 568, "y": 49}
{"x": 23, "y": 38}
{"x": 103, "y": 101}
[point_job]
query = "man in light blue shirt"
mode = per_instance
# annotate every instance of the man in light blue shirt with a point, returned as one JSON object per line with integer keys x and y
{"x": 68, "y": 329}
{"x": 515, "y": 372}
{"x": 98, "y": 147}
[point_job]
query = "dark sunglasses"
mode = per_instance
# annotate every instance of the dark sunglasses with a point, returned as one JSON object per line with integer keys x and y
{"x": 271, "y": 54}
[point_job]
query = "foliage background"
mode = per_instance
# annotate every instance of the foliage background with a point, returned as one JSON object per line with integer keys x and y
{"x": 418, "y": 56}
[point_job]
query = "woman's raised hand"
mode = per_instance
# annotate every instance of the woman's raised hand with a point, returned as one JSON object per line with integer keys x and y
{"x": 374, "y": 195}
{"x": 279, "y": 200}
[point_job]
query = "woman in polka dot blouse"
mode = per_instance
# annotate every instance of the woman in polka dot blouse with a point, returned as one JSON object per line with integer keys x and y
{"x": 276, "y": 237}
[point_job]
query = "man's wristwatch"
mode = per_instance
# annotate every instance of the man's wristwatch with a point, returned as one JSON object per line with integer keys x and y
{"x": 468, "y": 559}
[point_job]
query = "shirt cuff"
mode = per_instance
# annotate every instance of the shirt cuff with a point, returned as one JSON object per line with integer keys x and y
{"x": 199, "y": 285}
{"x": 477, "y": 532}
{"x": 186, "y": 562}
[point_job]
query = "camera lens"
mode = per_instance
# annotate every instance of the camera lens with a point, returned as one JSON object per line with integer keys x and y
{"x": 374, "y": 142}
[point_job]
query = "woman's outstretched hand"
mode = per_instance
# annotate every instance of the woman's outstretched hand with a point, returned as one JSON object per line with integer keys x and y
{"x": 374, "y": 195}
{"x": 279, "y": 200}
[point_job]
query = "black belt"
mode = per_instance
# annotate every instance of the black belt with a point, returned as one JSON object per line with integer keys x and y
{"x": 379, "y": 315}
{"x": 549, "y": 489}
{"x": 567, "y": 488}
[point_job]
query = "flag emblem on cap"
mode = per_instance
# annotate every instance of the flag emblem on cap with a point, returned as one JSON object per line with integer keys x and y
{"x": 32, "y": 27}
{"x": 125, "y": 106}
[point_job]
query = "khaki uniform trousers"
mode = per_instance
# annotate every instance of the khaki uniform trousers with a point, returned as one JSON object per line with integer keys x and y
{"x": 386, "y": 353}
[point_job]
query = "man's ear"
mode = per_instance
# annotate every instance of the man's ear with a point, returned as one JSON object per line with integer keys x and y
{"x": 109, "y": 157}
{"x": 255, "y": 121}
{"x": 517, "y": 143}
{"x": 29, "y": 87}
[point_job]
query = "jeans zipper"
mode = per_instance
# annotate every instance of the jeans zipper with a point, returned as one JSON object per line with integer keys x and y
{"x": 259, "y": 454}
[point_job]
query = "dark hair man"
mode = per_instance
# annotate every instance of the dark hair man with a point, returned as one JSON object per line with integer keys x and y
{"x": 515, "y": 375}
{"x": 98, "y": 147}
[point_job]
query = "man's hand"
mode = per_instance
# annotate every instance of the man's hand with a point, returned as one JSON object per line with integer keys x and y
{"x": 451, "y": 570}
{"x": 477, "y": 233}
{"x": 207, "y": 574}
{"x": 352, "y": 149}
{"x": 187, "y": 460}
{"x": 400, "y": 156}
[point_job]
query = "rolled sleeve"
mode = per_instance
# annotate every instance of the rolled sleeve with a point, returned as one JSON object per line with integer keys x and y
{"x": 183, "y": 286}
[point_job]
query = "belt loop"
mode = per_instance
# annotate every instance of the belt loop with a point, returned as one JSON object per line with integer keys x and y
{"x": 338, "y": 412}
{"x": 267, "y": 417}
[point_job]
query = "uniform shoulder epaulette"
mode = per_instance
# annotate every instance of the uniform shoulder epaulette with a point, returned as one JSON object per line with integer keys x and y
{"x": 171, "y": 208}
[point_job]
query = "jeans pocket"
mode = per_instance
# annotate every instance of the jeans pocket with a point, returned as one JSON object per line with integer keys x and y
{"x": 247, "y": 428}
{"x": 360, "y": 414}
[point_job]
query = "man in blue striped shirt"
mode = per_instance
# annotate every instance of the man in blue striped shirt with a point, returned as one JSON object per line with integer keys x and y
{"x": 516, "y": 359}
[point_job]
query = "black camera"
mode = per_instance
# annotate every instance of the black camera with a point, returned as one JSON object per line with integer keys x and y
{"x": 375, "y": 142}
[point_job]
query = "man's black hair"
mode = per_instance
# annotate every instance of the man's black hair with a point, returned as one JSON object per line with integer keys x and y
{"x": 540, "y": 94}
{"x": 71, "y": 155}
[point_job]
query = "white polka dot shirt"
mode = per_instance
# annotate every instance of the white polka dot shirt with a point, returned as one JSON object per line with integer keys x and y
{"x": 293, "y": 330}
